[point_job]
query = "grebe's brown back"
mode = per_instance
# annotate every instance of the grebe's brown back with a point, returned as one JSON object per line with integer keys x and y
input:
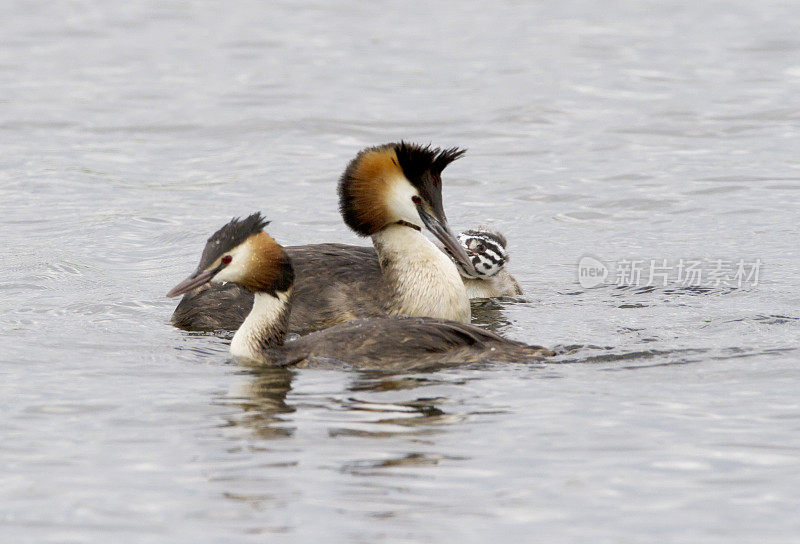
{"x": 390, "y": 192}
{"x": 242, "y": 253}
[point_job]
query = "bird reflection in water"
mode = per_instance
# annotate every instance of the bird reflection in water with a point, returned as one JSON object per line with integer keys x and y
{"x": 263, "y": 401}
{"x": 488, "y": 313}
{"x": 265, "y": 409}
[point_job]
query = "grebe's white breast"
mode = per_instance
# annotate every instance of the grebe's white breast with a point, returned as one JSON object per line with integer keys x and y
{"x": 425, "y": 281}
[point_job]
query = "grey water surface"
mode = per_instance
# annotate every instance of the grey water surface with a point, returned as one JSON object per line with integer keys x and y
{"x": 623, "y": 131}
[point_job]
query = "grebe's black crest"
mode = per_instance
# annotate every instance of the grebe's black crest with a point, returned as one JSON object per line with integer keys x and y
{"x": 230, "y": 236}
{"x": 423, "y": 167}
{"x": 417, "y": 160}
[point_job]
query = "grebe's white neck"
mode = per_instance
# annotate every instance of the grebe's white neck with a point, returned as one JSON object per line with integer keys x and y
{"x": 264, "y": 327}
{"x": 424, "y": 281}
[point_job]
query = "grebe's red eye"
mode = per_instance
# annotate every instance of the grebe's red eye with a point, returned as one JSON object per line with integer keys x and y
{"x": 416, "y": 200}
{"x": 227, "y": 259}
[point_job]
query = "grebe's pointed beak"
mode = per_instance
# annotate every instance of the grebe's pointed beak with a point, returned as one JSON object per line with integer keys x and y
{"x": 441, "y": 230}
{"x": 192, "y": 282}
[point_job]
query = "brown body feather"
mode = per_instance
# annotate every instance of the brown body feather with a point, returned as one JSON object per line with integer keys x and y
{"x": 402, "y": 343}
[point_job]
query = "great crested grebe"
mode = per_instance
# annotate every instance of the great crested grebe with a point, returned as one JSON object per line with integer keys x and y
{"x": 390, "y": 192}
{"x": 489, "y": 255}
{"x": 242, "y": 253}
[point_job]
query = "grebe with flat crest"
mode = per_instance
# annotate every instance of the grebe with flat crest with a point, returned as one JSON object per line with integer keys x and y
{"x": 242, "y": 253}
{"x": 390, "y": 193}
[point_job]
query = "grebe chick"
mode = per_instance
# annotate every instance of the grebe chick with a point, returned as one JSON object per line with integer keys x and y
{"x": 242, "y": 253}
{"x": 488, "y": 252}
{"x": 390, "y": 193}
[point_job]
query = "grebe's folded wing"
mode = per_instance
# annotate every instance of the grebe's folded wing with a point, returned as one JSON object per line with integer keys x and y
{"x": 330, "y": 283}
{"x": 405, "y": 343}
